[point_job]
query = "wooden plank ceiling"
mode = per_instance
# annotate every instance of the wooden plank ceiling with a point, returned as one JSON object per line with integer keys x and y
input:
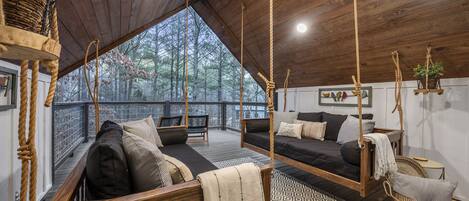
{"x": 325, "y": 54}
{"x": 111, "y": 21}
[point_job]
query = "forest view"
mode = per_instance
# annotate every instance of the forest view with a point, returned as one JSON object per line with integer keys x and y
{"x": 150, "y": 67}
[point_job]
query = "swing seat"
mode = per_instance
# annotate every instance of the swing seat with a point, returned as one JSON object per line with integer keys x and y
{"x": 320, "y": 158}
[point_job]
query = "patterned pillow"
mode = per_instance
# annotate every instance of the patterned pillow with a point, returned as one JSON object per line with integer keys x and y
{"x": 147, "y": 165}
{"x": 290, "y": 130}
{"x": 313, "y": 130}
{"x": 178, "y": 170}
{"x": 287, "y": 117}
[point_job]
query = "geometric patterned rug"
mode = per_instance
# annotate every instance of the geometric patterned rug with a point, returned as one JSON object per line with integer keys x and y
{"x": 284, "y": 187}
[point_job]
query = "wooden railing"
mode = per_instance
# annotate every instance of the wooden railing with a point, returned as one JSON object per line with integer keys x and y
{"x": 72, "y": 122}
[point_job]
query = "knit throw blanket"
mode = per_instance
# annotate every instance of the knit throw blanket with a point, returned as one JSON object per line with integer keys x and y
{"x": 237, "y": 183}
{"x": 384, "y": 155}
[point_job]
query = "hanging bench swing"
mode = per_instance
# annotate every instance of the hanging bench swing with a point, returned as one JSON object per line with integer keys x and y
{"x": 366, "y": 182}
{"x": 74, "y": 187}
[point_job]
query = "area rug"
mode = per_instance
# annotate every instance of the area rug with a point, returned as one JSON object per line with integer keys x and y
{"x": 284, "y": 187}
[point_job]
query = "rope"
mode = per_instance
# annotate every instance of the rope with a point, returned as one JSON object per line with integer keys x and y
{"x": 397, "y": 88}
{"x": 32, "y": 132}
{"x": 241, "y": 80}
{"x": 285, "y": 88}
{"x": 23, "y": 150}
{"x": 357, "y": 81}
{"x": 2, "y": 16}
{"x": 95, "y": 95}
{"x": 427, "y": 65}
{"x": 186, "y": 69}
{"x": 53, "y": 66}
{"x": 270, "y": 84}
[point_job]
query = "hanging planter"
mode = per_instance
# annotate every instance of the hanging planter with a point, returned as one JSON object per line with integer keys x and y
{"x": 428, "y": 76}
{"x": 28, "y": 30}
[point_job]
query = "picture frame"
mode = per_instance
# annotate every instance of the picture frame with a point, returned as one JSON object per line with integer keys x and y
{"x": 343, "y": 97}
{"x": 8, "y": 88}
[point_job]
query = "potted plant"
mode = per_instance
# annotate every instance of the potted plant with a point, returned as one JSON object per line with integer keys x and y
{"x": 435, "y": 72}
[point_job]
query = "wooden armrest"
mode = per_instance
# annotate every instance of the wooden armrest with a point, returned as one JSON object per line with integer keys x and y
{"x": 191, "y": 190}
{"x": 255, "y": 119}
{"x": 75, "y": 179}
{"x": 170, "y": 127}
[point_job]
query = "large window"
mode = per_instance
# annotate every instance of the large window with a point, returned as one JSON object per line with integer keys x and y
{"x": 150, "y": 67}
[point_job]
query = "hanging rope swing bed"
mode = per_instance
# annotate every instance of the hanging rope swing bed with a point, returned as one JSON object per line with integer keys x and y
{"x": 366, "y": 183}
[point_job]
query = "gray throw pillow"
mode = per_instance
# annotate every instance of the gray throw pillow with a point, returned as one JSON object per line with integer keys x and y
{"x": 350, "y": 130}
{"x": 147, "y": 165}
{"x": 422, "y": 189}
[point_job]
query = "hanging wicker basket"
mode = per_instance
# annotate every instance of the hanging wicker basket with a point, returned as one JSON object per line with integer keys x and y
{"x": 28, "y": 30}
{"x": 25, "y": 14}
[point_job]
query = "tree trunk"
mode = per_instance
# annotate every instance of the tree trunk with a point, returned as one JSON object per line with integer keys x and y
{"x": 220, "y": 72}
{"x": 155, "y": 62}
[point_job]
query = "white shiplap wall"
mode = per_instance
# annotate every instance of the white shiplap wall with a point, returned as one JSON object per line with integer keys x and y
{"x": 10, "y": 166}
{"x": 437, "y": 127}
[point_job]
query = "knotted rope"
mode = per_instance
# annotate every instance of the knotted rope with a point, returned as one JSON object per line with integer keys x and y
{"x": 397, "y": 88}
{"x": 95, "y": 95}
{"x": 27, "y": 146}
{"x": 53, "y": 66}
{"x": 270, "y": 84}
{"x": 23, "y": 150}
{"x": 285, "y": 88}
{"x": 357, "y": 81}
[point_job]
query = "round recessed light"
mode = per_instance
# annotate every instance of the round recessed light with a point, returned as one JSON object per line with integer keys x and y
{"x": 301, "y": 28}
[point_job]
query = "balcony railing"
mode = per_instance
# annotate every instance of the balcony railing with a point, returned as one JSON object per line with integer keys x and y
{"x": 74, "y": 122}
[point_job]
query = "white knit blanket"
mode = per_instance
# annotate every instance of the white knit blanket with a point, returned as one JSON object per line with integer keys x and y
{"x": 237, "y": 183}
{"x": 384, "y": 155}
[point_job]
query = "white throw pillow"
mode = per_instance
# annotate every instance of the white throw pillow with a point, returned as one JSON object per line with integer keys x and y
{"x": 313, "y": 130}
{"x": 144, "y": 128}
{"x": 290, "y": 130}
{"x": 350, "y": 130}
{"x": 287, "y": 117}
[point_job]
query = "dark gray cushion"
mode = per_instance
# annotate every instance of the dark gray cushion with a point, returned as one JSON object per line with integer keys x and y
{"x": 107, "y": 175}
{"x": 310, "y": 116}
{"x": 364, "y": 116}
{"x": 321, "y": 154}
{"x": 257, "y": 125}
{"x": 351, "y": 153}
{"x": 334, "y": 122}
{"x": 186, "y": 154}
{"x": 171, "y": 136}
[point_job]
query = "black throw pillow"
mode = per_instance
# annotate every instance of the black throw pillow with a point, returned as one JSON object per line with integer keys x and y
{"x": 107, "y": 175}
{"x": 310, "y": 116}
{"x": 351, "y": 153}
{"x": 364, "y": 116}
{"x": 334, "y": 122}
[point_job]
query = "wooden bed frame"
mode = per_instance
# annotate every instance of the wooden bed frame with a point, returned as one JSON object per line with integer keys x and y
{"x": 74, "y": 187}
{"x": 367, "y": 183}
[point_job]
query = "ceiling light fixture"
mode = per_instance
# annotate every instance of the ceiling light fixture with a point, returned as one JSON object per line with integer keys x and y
{"x": 301, "y": 28}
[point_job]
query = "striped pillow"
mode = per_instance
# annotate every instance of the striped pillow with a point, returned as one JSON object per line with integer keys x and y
{"x": 313, "y": 130}
{"x": 178, "y": 170}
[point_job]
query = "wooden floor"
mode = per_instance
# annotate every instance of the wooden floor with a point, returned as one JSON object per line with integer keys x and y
{"x": 225, "y": 145}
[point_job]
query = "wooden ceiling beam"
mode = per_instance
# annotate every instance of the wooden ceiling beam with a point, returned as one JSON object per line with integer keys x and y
{"x": 128, "y": 36}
